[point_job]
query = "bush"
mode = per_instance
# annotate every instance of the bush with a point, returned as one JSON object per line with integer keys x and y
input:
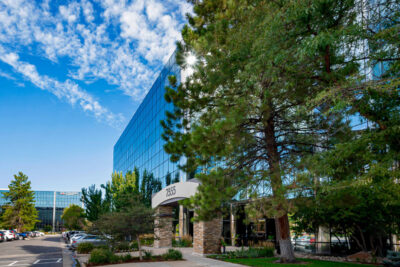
{"x": 248, "y": 253}
{"x": 134, "y": 246}
{"x": 172, "y": 254}
{"x": 100, "y": 255}
{"x": 147, "y": 255}
{"x": 147, "y": 241}
{"x": 123, "y": 246}
{"x": 85, "y": 248}
{"x": 184, "y": 242}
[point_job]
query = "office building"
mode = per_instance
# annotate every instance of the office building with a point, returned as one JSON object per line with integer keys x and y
{"x": 50, "y": 206}
{"x": 140, "y": 145}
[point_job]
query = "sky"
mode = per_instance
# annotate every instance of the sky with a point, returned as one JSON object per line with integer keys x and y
{"x": 72, "y": 74}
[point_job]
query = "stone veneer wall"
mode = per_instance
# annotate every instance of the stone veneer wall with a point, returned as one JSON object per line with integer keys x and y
{"x": 207, "y": 236}
{"x": 163, "y": 232}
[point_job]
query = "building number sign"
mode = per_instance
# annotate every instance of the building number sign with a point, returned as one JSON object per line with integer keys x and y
{"x": 171, "y": 191}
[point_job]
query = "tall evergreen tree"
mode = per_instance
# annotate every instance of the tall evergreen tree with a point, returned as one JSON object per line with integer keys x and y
{"x": 20, "y": 212}
{"x": 95, "y": 203}
{"x": 168, "y": 179}
{"x": 248, "y": 104}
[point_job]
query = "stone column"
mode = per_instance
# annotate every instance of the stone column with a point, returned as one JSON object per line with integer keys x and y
{"x": 323, "y": 240}
{"x": 163, "y": 232}
{"x": 207, "y": 236}
{"x": 233, "y": 226}
{"x": 181, "y": 221}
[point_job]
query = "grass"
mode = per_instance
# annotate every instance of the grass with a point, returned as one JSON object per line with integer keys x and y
{"x": 269, "y": 262}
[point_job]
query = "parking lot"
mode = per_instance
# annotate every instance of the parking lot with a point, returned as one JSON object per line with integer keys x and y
{"x": 43, "y": 251}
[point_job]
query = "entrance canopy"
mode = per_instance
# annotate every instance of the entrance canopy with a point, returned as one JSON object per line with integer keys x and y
{"x": 174, "y": 192}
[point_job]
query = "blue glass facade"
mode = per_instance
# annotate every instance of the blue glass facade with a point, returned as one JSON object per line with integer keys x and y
{"x": 44, "y": 203}
{"x": 140, "y": 145}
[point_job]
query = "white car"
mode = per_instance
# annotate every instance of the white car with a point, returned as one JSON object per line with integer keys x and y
{"x": 8, "y": 235}
{"x": 39, "y": 233}
{"x": 76, "y": 237}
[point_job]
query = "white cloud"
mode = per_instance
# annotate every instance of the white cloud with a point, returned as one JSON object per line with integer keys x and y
{"x": 121, "y": 42}
{"x": 68, "y": 90}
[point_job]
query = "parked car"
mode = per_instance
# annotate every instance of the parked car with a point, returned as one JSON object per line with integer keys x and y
{"x": 16, "y": 236}
{"x": 94, "y": 239}
{"x": 1, "y": 236}
{"x": 23, "y": 235}
{"x": 8, "y": 235}
{"x": 37, "y": 233}
{"x": 71, "y": 233}
{"x": 76, "y": 237}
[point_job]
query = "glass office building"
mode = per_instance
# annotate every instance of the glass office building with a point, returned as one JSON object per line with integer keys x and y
{"x": 140, "y": 145}
{"x": 50, "y": 205}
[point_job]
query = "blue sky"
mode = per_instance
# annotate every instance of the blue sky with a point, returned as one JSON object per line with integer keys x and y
{"x": 72, "y": 74}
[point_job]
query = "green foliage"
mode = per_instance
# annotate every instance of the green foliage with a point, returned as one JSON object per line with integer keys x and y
{"x": 172, "y": 254}
{"x": 100, "y": 255}
{"x": 148, "y": 255}
{"x": 272, "y": 262}
{"x": 148, "y": 187}
{"x": 19, "y": 212}
{"x": 95, "y": 203}
{"x": 122, "y": 246}
{"x": 168, "y": 179}
{"x": 147, "y": 241}
{"x": 133, "y": 220}
{"x": 47, "y": 228}
{"x": 74, "y": 217}
{"x": 85, "y": 248}
{"x": 134, "y": 246}
{"x": 185, "y": 241}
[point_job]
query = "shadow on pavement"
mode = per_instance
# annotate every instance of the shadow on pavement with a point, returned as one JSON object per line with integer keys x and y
{"x": 41, "y": 250}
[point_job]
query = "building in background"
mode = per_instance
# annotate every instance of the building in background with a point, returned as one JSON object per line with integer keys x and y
{"x": 50, "y": 205}
{"x": 141, "y": 145}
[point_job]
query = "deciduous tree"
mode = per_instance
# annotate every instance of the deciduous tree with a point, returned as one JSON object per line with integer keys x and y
{"x": 74, "y": 217}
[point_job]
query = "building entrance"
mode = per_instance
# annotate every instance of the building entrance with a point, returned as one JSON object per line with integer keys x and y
{"x": 206, "y": 234}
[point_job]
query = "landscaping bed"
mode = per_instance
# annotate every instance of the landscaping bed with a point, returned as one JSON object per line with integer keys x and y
{"x": 101, "y": 256}
{"x": 271, "y": 262}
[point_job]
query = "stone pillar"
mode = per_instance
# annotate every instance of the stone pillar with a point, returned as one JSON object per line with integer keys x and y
{"x": 181, "y": 221}
{"x": 233, "y": 226}
{"x": 207, "y": 237}
{"x": 323, "y": 240}
{"x": 163, "y": 232}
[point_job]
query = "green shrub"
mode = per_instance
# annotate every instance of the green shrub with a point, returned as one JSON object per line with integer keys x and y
{"x": 184, "y": 242}
{"x": 123, "y": 246}
{"x": 172, "y": 254}
{"x": 100, "y": 255}
{"x": 85, "y": 248}
{"x": 134, "y": 246}
{"x": 126, "y": 257}
{"x": 147, "y": 241}
{"x": 251, "y": 253}
{"x": 147, "y": 255}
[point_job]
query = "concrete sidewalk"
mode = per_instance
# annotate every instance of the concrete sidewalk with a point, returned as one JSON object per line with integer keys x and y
{"x": 189, "y": 260}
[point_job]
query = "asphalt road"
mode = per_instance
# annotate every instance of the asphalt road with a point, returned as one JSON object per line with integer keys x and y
{"x": 43, "y": 251}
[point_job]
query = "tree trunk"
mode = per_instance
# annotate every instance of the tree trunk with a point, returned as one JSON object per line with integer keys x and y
{"x": 139, "y": 247}
{"x": 282, "y": 220}
{"x": 283, "y": 236}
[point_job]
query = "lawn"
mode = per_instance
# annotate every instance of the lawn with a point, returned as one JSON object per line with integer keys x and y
{"x": 267, "y": 262}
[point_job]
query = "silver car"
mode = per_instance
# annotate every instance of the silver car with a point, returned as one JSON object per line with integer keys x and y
{"x": 94, "y": 239}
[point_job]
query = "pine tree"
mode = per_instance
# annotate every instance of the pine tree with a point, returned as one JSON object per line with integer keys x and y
{"x": 20, "y": 212}
{"x": 246, "y": 115}
{"x": 168, "y": 179}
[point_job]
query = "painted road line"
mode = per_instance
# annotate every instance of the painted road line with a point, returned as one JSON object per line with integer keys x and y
{"x": 59, "y": 260}
{"x": 36, "y": 262}
{"x": 12, "y": 263}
